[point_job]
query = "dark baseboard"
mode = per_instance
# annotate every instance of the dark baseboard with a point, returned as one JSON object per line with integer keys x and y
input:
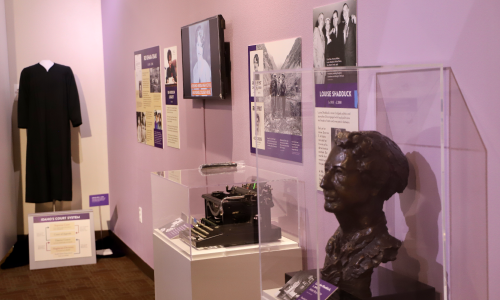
{"x": 141, "y": 264}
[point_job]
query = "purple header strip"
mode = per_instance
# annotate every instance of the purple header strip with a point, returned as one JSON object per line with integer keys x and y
{"x": 98, "y": 200}
{"x": 150, "y": 57}
{"x": 282, "y": 146}
{"x": 61, "y": 218}
{"x": 171, "y": 94}
{"x": 336, "y": 95}
{"x": 311, "y": 293}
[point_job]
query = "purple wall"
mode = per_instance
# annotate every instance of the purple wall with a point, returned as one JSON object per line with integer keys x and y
{"x": 461, "y": 34}
{"x": 129, "y": 26}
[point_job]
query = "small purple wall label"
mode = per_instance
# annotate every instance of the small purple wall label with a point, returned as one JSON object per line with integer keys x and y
{"x": 171, "y": 94}
{"x": 98, "y": 200}
{"x": 61, "y": 218}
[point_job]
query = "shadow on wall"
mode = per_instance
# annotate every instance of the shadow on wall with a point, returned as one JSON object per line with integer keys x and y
{"x": 439, "y": 135}
{"x": 421, "y": 206}
{"x": 16, "y": 159}
{"x": 114, "y": 219}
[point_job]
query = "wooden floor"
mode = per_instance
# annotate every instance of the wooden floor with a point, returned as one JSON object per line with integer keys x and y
{"x": 110, "y": 278}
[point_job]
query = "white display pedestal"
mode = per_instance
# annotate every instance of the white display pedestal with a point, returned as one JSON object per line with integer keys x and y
{"x": 223, "y": 273}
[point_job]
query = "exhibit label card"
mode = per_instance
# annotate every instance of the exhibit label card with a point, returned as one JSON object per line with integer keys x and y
{"x": 336, "y": 92}
{"x": 275, "y": 105}
{"x": 98, "y": 200}
{"x": 62, "y": 236}
{"x": 172, "y": 229}
{"x": 304, "y": 286}
{"x": 148, "y": 97}
{"x": 172, "y": 105}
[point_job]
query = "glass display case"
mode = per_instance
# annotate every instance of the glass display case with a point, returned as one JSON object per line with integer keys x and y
{"x": 440, "y": 219}
{"x": 206, "y": 228}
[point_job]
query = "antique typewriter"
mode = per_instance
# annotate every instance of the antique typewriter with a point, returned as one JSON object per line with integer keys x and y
{"x": 232, "y": 218}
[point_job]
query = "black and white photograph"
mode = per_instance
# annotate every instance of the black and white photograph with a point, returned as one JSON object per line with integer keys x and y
{"x": 170, "y": 57}
{"x": 257, "y": 118}
{"x": 199, "y": 52}
{"x": 138, "y": 74}
{"x": 141, "y": 127}
{"x": 154, "y": 80}
{"x": 334, "y": 37}
{"x": 256, "y": 65}
{"x": 296, "y": 286}
{"x": 158, "y": 120}
{"x": 282, "y": 91}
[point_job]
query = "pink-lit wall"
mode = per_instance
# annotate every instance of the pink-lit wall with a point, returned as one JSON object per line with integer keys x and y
{"x": 461, "y": 34}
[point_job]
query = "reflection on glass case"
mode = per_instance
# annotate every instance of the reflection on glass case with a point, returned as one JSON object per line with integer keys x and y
{"x": 220, "y": 211}
{"x": 207, "y": 224}
{"x": 423, "y": 238}
{"x": 232, "y": 217}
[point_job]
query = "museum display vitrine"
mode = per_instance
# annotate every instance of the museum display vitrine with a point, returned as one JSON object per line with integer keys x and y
{"x": 206, "y": 222}
{"x": 425, "y": 225}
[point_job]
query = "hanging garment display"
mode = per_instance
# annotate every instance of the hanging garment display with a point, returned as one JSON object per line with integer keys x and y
{"x": 48, "y": 100}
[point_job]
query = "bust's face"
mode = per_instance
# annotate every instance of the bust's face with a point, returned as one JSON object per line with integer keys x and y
{"x": 342, "y": 184}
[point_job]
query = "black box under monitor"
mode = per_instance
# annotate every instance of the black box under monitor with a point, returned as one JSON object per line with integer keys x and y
{"x": 205, "y": 60}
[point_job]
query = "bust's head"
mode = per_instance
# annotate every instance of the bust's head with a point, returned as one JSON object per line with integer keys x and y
{"x": 363, "y": 168}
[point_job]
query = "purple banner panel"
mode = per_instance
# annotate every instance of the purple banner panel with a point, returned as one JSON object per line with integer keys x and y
{"x": 98, "y": 200}
{"x": 61, "y": 218}
{"x": 171, "y": 94}
{"x": 326, "y": 290}
{"x": 283, "y": 146}
{"x": 158, "y": 138}
{"x": 172, "y": 229}
{"x": 337, "y": 95}
{"x": 150, "y": 58}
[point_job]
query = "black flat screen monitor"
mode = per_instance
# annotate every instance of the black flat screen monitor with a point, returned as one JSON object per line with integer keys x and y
{"x": 205, "y": 60}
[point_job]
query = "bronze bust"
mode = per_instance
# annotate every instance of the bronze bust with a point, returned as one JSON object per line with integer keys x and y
{"x": 363, "y": 170}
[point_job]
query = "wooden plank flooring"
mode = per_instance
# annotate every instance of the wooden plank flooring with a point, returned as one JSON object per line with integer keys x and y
{"x": 110, "y": 278}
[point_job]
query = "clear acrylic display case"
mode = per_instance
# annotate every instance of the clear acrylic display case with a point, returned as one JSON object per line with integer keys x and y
{"x": 441, "y": 217}
{"x": 179, "y": 194}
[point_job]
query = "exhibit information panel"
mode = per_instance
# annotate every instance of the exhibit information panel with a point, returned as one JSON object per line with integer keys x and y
{"x": 63, "y": 236}
{"x": 59, "y": 239}
{"x": 335, "y": 91}
{"x": 148, "y": 97}
{"x": 172, "y": 105}
{"x": 276, "y": 99}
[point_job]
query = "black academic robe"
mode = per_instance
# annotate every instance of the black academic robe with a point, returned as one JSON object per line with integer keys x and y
{"x": 47, "y": 102}
{"x": 338, "y": 48}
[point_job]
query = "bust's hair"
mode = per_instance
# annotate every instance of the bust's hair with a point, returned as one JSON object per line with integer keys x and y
{"x": 256, "y": 58}
{"x": 380, "y": 161}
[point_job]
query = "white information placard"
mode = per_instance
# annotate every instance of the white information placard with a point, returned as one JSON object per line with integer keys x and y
{"x": 61, "y": 239}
